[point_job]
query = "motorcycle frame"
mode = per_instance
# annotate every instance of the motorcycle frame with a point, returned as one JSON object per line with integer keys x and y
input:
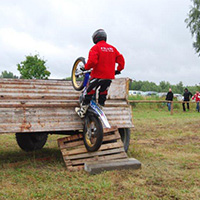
{"x": 94, "y": 108}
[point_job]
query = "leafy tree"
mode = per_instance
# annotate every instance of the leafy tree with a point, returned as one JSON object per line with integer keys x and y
{"x": 6, "y": 74}
{"x": 179, "y": 87}
{"x": 152, "y": 86}
{"x": 145, "y": 87}
{"x": 136, "y": 85}
{"x": 68, "y": 78}
{"x": 198, "y": 87}
{"x": 164, "y": 86}
{"x": 33, "y": 68}
{"x": 193, "y": 23}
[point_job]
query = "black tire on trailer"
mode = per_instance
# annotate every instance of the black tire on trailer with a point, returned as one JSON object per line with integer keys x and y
{"x": 92, "y": 133}
{"x": 125, "y": 137}
{"x": 78, "y": 80}
{"x": 31, "y": 141}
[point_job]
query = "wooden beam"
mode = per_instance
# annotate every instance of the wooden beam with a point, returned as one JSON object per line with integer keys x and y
{"x": 158, "y": 101}
{"x": 172, "y": 107}
{"x": 99, "y": 166}
{"x": 48, "y": 105}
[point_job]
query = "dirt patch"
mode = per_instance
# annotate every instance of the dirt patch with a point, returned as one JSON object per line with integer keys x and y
{"x": 182, "y": 141}
{"x": 188, "y": 139}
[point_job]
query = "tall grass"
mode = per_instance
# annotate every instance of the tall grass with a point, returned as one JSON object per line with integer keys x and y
{"x": 176, "y": 105}
{"x": 139, "y": 97}
{"x": 166, "y": 145}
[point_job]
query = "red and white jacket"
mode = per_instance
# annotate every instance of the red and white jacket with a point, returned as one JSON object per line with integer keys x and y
{"x": 102, "y": 59}
{"x": 196, "y": 97}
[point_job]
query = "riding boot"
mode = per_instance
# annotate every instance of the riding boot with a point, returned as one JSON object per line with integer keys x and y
{"x": 82, "y": 110}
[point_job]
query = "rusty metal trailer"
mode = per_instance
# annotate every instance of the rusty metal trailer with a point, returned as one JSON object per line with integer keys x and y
{"x": 35, "y": 108}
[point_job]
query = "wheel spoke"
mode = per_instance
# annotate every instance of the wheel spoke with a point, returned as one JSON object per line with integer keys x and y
{"x": 91, "y": 133}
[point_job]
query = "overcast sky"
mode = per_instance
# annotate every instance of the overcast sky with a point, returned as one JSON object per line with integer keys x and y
{"x": 151, "y": 34}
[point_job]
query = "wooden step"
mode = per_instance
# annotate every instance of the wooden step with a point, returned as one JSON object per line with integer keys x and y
{"x": 98, "y": 167}
{"x": 75, "y": 154}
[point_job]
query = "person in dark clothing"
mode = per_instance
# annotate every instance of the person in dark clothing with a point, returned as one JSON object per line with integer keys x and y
{"x": 186, "y": 97}
{"x": 169, "y": 97}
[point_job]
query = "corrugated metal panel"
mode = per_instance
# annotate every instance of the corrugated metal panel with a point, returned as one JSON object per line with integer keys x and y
{"x": 48, "y": 105}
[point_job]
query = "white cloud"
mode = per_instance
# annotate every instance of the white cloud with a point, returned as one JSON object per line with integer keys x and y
{"x": 152, "y": 35}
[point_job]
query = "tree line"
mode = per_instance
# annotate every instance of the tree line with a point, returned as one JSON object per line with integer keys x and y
{"x": 163, "y": 86}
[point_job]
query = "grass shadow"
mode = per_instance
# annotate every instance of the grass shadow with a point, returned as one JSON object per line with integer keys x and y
{"x": 17, "y": 158}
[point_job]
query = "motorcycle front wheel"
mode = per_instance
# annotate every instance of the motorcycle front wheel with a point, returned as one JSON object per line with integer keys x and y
{"x": 92, "y": 133}
{"x": 77, "y": 76}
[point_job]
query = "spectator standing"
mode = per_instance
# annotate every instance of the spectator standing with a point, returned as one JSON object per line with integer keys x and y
{"x": 186, "y": 98}
{"x": 197, "y": 99}
{"x": 169, "y": 97}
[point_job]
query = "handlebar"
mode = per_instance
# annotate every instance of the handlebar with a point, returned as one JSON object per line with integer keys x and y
{"x": 83, "y": 71}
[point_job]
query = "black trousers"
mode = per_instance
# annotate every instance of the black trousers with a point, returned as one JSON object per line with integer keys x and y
{"x": 188, "y": 106}
{"x": 94, "y": 84}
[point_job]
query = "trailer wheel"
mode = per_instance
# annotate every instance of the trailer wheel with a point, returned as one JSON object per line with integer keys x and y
{"x": 125, "y": 137}
{"x": 31, "y": 141}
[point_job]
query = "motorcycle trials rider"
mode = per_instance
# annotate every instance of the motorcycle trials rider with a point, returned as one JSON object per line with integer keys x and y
{"x": 102, "y": 59}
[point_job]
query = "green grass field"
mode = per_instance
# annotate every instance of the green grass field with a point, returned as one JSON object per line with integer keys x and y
{"x": 167, "y": 146}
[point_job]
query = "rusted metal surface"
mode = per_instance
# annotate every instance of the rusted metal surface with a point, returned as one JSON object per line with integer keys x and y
{"x": 48, "y": 105}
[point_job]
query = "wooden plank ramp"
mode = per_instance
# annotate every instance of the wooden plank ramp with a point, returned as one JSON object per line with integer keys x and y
{"x": 76, "y": 156}
{"x": 48, "y": 106}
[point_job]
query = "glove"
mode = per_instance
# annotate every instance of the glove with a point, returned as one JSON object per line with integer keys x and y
{"x": 117, "y": 72}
